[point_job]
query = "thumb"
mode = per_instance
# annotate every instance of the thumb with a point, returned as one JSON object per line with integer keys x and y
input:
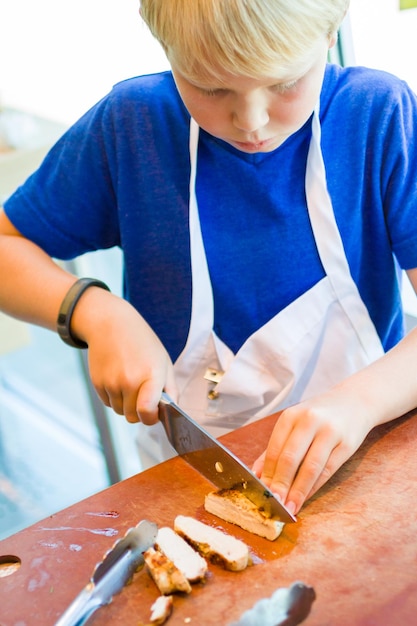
{"x": 147, "y": 402}
{"x": 258, "y": 466}
{"x": 170, "y": 385}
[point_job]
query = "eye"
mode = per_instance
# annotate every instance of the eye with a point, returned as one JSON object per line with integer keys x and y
{"x": 213, "y": 92}
{"x": 284, "y": 87}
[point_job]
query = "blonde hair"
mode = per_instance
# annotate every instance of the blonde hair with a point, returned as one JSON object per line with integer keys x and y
{"x": 242, "y": 37}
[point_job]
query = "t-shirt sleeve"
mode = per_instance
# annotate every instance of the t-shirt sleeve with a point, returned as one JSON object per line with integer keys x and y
{"x": 399, "y": 178}
{"x": 68, "y": 206}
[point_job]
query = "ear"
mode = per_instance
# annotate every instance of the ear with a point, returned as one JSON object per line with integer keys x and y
{"x": 332, "y": 40}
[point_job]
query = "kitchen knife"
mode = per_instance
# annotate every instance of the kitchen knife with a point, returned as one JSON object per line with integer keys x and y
{"x": 111, "y": 574}
{"x": 214, "y": 461}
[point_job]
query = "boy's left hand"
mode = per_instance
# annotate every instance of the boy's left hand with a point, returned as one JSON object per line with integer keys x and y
{"x": 309, "y": 443}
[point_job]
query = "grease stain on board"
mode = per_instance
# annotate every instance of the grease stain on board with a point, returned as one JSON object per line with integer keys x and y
{"x": 107, "y": 532}
{"x": 113, "y": 514}
{"x": 40, "y": 578}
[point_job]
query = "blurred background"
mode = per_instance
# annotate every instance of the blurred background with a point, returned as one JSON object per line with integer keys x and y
{"x": 57, "y": 443}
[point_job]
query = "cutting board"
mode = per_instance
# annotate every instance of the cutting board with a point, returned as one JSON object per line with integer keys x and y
{"x": 354, "y": 543}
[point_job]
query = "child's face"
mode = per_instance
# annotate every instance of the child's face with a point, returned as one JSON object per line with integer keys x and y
{"x": 256, "y": 115}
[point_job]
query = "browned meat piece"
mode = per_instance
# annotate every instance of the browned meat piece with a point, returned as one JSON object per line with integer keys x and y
{"x": 188, "y": 560}
{"x": 161, "y": 610}
{"x": 213, "y": 544}
{"x": 168, "y": 578}
{"x": 233, "y": 506}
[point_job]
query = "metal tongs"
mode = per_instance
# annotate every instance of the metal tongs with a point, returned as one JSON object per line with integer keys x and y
{"x": 111, "y": 574}
{"x": 288, "y": 606}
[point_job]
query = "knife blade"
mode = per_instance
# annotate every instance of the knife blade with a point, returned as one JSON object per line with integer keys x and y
{"x": 111, "y": 574}
{"x": 214, "y": 461}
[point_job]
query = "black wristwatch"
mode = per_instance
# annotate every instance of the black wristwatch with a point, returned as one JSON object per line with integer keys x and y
{"x": 67, "y": 308}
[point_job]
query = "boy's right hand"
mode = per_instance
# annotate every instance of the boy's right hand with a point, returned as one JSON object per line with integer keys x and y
{"x": 129, "y": 366}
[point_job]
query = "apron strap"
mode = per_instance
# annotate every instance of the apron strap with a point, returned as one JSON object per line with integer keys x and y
{"x": 330, "y": 246}
{"x": 202, "y": 316}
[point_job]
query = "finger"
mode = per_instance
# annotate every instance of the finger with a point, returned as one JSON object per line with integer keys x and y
{"x": 103, "y": 395}
{"x": 147, "y": 402}
{"x": 276, "y": 445}
{"x": 124, "y": 405}
{"x": 112, "y": 399}
{"x": 282, "y": 462}
{"x": 258, "y": 465}
{"x": 316, "y": 468}
{"x": 132, "y": 418}
{"x": 129, "y": 407}
{"x": 336, "y": 460}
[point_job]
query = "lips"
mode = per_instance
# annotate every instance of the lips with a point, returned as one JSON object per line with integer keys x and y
{"x": 254, "y": 146}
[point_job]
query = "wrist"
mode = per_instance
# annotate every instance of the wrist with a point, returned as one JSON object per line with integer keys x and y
{"x": 67, "y": 309}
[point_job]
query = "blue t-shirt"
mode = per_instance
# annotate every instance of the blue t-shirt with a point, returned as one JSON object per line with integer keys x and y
{"x": 120, "y": 177}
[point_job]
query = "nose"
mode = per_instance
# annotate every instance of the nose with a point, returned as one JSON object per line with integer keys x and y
{"x": 250, "y": 113}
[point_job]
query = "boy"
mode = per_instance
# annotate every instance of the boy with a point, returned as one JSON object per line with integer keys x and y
{"x": 263, "y": 201}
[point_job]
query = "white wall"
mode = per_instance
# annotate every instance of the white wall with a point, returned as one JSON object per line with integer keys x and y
{"x": 385, "y": 37}
{"x": 58, "y": 57}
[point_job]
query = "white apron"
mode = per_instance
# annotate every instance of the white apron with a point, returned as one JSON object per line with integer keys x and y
{"x": 315, "y": 342}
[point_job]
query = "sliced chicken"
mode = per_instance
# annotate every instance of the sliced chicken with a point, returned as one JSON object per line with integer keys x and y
{"x": 161, "y": 610}
{"x": 189, "y": 561}
{"x": 168, "y": 578}
{"x": 213, "y": 544}
{"x": 233, "y": 506}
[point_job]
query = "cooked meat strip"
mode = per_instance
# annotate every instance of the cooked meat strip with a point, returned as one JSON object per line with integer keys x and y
{"x": 168, "y": 578}
{"x": 233, "y": 506}
{"x": 213, "y": 544}
{"x": 188, "y": 560}
{"x": 161, "y": 610}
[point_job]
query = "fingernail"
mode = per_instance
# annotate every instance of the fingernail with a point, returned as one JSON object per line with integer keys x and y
{"x": 291, "y": 507}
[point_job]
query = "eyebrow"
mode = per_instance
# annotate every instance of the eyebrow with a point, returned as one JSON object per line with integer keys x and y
{"x": 220, "y": 85}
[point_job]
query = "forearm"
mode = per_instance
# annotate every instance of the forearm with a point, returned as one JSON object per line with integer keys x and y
{"x": 32, "y": 285}
{"x": 387, "y": 388}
